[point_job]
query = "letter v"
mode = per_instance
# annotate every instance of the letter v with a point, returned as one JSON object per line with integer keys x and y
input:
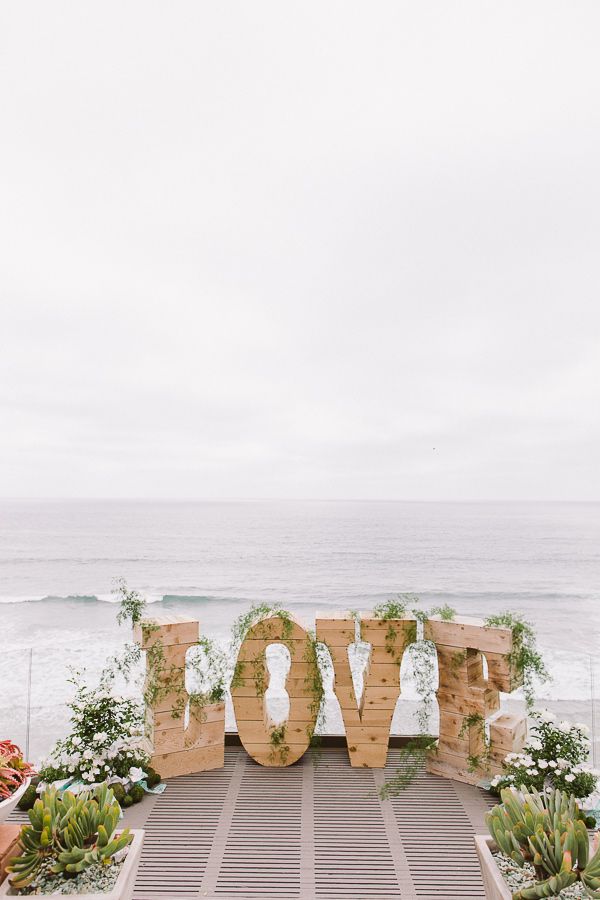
{"x": 367, "y": 724}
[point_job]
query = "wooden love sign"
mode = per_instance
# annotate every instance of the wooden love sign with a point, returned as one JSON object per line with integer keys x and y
{"x": 465, "y": 697}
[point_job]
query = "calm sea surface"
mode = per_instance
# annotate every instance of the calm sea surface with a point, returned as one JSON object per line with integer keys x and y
{"x": 58, "y": 561}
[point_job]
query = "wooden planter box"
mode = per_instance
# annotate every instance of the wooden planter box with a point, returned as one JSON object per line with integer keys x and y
{"x": 122, "y": 890}
{"x": 9, "y": 835}
{"x": 495, "y": 886}
{"x": 7, "y": 806}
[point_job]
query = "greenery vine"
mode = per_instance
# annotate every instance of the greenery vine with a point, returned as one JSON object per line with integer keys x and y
{"x": 525, "y": 658}
{"x": 476, "y": 720}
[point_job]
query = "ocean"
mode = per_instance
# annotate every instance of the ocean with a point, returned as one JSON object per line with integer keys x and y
{"x": 59, "y": 559}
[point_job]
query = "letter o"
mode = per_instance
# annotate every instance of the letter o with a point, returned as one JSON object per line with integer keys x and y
{"x": 269, "y": 744}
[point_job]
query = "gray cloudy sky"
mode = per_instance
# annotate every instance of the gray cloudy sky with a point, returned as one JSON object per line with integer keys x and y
{"x": 255, "y": 249}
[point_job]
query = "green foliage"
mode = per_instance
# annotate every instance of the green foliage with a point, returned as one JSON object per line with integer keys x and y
{"x": 556, "y": 755}
{"x": 445, "y": 612}
{"x": 242, "y": 625}
{"x": 319, "y": 662}
{"x": 136, "y": 793}
{"x": 131, "y": 604}
{"x": 27, "y": 799}
{"x": 69, "y": 832}
{"x": 119, "y": 791}
{"x": 525, "y": 657}
{"x": 412, "y": 759}
{"x": 127, "y": 801}
{"x": 256, "y": 614}
{"x": 390, "y": 611}
{"x": 153, "y": 777}
{"x": 106, "y": 737}
{"x": 395, "y": 609}
{"x": 476, "y": 720}
{"x": 210, "y": 666}
{"x": 279, "y": 747}
{"x": 547, "y": 831}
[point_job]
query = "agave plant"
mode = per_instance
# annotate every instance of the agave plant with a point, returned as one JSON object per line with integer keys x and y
{"x": 13, "y": 769}
{"x": 70, "y": 832}
{"x": 548, "y": 831}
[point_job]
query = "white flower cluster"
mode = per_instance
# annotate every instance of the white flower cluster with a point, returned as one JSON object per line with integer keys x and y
{"x": 107, "y": 739}
{"x": 555, "y": 755}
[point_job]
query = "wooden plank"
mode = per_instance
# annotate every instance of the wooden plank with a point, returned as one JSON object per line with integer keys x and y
{"x": 468, "y": 633}
{"x": 503, "y": 672}
{"x": 185, "y": 762}
{"x": 508, "y": 732}
{"x": 9, "y": 837}
{"x": 167, "y": 629}
{"x": 204, "y": 734}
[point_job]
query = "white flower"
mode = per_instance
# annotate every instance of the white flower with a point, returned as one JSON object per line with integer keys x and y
{"x": 570, "y": 777}
{"x": 532, "y": 771}
{"x": 552, "y": 763}
{"x": 136, "y": 774}
{"x": 76, "y": 741}
{"x": 582, "y": 727}
{"x": 535, "y": 744}
{"x": 564, "y": 726}
{"x": 88, "y": 754}
{"x": 546, "y": 716}
{"x": 542, "y": 764}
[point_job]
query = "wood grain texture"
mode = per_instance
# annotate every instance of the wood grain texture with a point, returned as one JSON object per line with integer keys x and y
{"x": 177, "y": 749}
{"x": 464, "y": 693}
{"x": 367, "y": 721}
{"x": 267, "y": 742}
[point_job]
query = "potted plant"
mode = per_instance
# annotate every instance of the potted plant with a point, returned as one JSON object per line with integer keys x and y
{"x": 15, "y": 777}
{"x": 75, "y": 838}
{"x": 539, "y": 846}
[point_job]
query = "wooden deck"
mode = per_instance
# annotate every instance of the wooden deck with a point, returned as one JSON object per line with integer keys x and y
{"x": 315, "y": 830}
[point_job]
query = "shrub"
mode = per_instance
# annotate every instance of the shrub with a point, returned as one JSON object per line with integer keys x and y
{"x": 106, "y": 738}
{"x": 136, "y": 793}
{"x": 555, "y": 756}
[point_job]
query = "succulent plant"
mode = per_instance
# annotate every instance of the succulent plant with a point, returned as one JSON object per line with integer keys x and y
{"x": 548, "y": 831}
{"x": 13, "y": 769}
{"x": 72, "y": 832}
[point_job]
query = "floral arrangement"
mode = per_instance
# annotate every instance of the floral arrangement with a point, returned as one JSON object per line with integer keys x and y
{"x": 555, "y": 756}
{"x": 106, "y": 744}
{"x": 14, "y": 771}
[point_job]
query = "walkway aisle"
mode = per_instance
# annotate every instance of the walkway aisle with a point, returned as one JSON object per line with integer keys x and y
{"x": 310, "y": 831}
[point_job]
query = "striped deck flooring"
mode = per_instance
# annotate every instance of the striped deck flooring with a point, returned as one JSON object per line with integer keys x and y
{"x": 315, "y": 830}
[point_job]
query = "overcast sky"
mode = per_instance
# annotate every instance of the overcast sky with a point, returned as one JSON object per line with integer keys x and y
{"x": 325, "y": 249}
